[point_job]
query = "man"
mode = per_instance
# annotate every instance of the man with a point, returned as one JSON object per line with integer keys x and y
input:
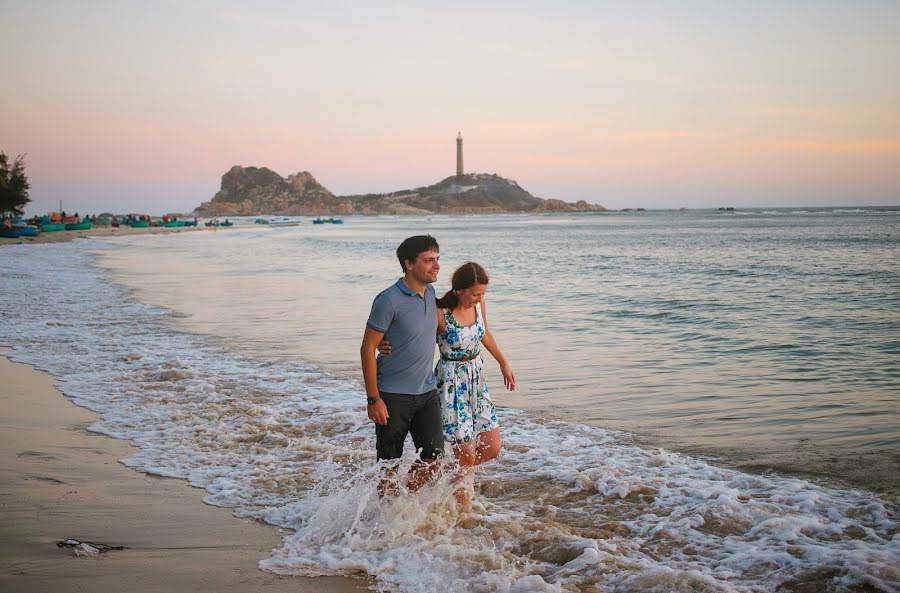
{"x": 401, "y": 388}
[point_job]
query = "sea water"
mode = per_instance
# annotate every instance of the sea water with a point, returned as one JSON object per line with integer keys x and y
{"x": 705, "y": 401}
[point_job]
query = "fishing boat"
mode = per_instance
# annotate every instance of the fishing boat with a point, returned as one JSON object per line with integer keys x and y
{"x": 278, "y": 222}
{"x": 139, "y": 224}
{"x": 318, "y": 221}
{"x": 27, "y": 231}
{"x": 78, "y": 226}
{"x": 49, "y": 227}
{"x": 19, "y": 230}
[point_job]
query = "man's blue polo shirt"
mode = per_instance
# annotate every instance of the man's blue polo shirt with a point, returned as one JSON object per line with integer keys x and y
{"x": 409, "y": 323}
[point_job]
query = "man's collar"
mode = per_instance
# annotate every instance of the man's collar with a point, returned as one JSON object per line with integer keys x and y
{"x": 407, "y": 290}
{"x": 404, "y": 288}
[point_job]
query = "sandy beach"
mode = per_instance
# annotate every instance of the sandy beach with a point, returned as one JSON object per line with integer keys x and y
{"x": 60, "y": 481}
{"x": 100, "y": 231}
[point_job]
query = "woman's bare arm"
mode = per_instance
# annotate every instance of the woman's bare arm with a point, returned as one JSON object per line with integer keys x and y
{"x": 509, "y": 378}
{"x": 441, "y": 323}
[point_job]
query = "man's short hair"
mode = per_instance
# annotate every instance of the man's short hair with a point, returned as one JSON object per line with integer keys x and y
{"x": 411, "y": 247}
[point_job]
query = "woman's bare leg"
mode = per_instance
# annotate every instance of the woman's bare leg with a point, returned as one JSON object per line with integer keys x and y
{"x": 487, "y": 446}
{"x": 465, "y": 454}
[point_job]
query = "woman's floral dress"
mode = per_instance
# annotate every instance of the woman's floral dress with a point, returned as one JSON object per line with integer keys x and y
{"x": 466, "y": 406}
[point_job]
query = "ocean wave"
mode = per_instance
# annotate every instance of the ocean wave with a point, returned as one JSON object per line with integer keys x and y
{"x": 566, "y": 507}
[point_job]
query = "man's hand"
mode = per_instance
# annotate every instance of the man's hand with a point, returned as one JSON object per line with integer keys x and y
{"x": 378, "y": 412}
{"x": 384, "y": 347}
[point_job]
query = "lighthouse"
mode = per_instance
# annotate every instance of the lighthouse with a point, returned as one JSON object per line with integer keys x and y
{"x": 459, "y": 162}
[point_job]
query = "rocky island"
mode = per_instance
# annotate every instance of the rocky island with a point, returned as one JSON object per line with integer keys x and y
{"x": 251, "y": 191}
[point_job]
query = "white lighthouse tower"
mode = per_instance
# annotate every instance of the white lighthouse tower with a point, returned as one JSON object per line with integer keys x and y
{"x": 459, "y": 161}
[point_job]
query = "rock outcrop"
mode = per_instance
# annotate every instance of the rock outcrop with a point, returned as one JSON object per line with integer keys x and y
{"x": 252, "y": 191}
{"x": 248, "y": 191}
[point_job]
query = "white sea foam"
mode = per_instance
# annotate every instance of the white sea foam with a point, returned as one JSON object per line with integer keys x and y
{"x": 566, "y": 508}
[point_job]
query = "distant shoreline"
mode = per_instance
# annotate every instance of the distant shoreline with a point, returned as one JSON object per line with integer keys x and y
{"x": 123, "y": 231}
{"x": 104, "y": 231}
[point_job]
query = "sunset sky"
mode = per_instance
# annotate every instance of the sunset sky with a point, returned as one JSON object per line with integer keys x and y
{"x": 129, "y": 106}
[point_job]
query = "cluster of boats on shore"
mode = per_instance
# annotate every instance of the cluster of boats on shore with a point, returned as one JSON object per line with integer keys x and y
{"x": 19, "y": 227}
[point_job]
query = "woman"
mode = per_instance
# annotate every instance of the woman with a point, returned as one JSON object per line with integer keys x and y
{"x": 468, "y": 414}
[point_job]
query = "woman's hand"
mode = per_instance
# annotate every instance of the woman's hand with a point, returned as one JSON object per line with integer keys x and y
{"x": 384, "y": 347}
{"x": 509, "y": 378}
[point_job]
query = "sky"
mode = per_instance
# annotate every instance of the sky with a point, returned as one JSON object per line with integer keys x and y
{"x": 142, "y": 106}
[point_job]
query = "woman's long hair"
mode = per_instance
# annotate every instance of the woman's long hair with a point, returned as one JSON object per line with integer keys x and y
{"x": 466, "y": 276}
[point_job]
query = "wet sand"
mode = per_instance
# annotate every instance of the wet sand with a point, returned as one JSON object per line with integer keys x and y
{"x": 58, "y": 481}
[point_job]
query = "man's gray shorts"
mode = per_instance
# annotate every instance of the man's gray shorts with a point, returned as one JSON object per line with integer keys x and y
{"x": 417, "y": 415}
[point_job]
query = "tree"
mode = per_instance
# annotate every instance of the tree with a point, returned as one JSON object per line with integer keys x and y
{"x": 14, "y": 186}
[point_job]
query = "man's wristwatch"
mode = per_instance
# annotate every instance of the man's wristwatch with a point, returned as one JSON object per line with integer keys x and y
{"x": 371, "y": 400}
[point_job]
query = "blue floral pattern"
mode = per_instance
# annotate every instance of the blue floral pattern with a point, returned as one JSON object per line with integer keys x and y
{"x": 466, "y": 406}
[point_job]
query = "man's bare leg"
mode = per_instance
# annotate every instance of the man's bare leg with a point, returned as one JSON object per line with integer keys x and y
{"x": 422, "y": 472}
{"x": 387, "y": 482}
